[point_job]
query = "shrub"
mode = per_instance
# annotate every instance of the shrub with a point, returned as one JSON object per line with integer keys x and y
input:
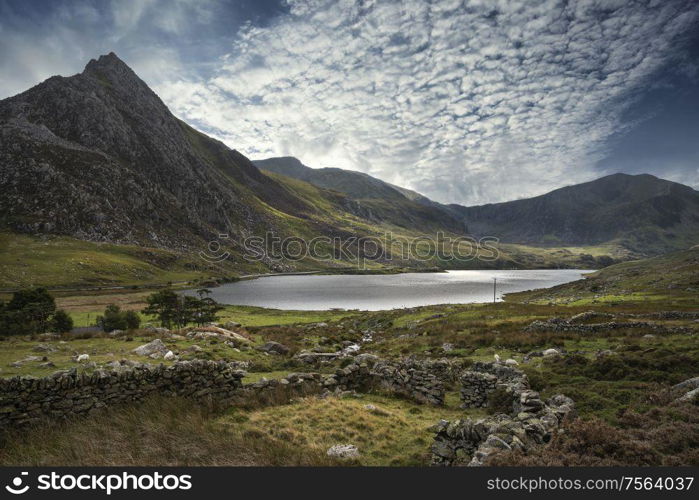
{"x": 62, "y": 322}
{"x": 133, "y": 320}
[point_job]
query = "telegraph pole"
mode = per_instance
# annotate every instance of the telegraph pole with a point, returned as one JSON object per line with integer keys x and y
{"x": 495, "y": 283}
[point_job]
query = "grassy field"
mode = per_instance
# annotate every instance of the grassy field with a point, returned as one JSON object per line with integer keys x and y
{"x": 621, "y": 378}
{"x": 65, "y": 262}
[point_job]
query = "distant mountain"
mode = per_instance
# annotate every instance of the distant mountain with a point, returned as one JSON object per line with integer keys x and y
{"x": 643, "y": 213}
{"x": 98, "y": 158}
{"x": 383, "y": 201}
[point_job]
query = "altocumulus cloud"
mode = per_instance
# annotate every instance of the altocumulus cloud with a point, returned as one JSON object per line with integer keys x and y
{"x": 465, "y": 101}
{"x": 468, "y": 101}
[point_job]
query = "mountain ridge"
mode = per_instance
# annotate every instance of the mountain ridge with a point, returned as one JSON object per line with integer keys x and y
{"x": 630, "y": 210}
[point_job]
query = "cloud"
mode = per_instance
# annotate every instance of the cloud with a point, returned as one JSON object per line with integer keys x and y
{"x": 162, "y": 40}
{"x": 465, "y": 101}
{"x": 471, "y": 102}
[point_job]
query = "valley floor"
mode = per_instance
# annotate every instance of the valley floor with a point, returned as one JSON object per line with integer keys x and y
{"x": 621, "y": 351}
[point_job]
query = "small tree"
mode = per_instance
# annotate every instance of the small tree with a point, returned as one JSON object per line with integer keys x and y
{"x": 133, "y": 320}
{"x": 113, "y": 319}
{"x": 32, "y": 309}
{"x": 163, "y": 305}
{"x": 29, "y": 311}
{"x": 172, "y": 309}
{"x": 62, "y": 322}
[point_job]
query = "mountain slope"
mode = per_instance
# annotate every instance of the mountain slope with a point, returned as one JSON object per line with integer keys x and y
{"x": 383, "y": 201}
{"x": 98, "y": 156}
{"x": 646, "y": 214}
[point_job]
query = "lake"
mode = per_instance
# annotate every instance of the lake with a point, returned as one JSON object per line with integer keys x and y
{"x": 376, "y": 292}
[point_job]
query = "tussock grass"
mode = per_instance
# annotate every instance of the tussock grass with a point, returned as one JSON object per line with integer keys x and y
{"x": 159, "y": 431}
{"x": 395, "y": 433}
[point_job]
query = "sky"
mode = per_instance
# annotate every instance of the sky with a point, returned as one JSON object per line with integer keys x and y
{"x": 465, "y": 101}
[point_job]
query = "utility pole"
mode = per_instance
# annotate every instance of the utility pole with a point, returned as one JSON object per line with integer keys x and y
{"x": 495, "y": 283}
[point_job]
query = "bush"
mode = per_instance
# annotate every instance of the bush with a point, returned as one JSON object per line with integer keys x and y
{"x": 133, "y": 320}
{"x": 116, "y": 319}
{"x": 62, "y": 322}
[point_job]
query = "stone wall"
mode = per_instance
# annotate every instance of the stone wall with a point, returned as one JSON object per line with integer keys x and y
{"x": 527, "y": 420}
{"x": 64, "y": 394}
{"x": 484, "y": 378}
{"x": 470, "y": 442}
{"x": 476, "y": 387}
{"x": 405, "y": 378}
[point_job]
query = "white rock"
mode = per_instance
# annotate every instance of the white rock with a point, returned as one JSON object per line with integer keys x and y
{"x": 551, "y": 352}
{"x": 690, "y": 395}
{"x": 169, "y": 355}
{"x": 155, "y": 348}
{"x": 343, "y": 451}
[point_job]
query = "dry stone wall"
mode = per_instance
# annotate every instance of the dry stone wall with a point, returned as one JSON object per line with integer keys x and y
{"x": 406, "y": 378}
{"x": 484, "y": 378}
{"x": 64, "y": 394}
{"x": 528, "y": 421}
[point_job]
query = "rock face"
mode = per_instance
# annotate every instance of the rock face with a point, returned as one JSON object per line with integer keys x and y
{"x": 65, "y": 394}
{"x": 113, "y": 164}
{"x": 617, "y": 206}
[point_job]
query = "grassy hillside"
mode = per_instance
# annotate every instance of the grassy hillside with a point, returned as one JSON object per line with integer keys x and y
{"x": 673, "y": 277}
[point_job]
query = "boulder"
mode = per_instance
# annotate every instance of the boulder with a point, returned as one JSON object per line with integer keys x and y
{"x": 274, "y": 348}
{"x": 694, "y": 393}
{"x": 216, "y": 333}
{"x": 156, "y": 348}
{"x": 316, "y": 357}
{"x": 45, "y": 348}
{"x": 343, "y": 451}
{"x": 691, "y": 383}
